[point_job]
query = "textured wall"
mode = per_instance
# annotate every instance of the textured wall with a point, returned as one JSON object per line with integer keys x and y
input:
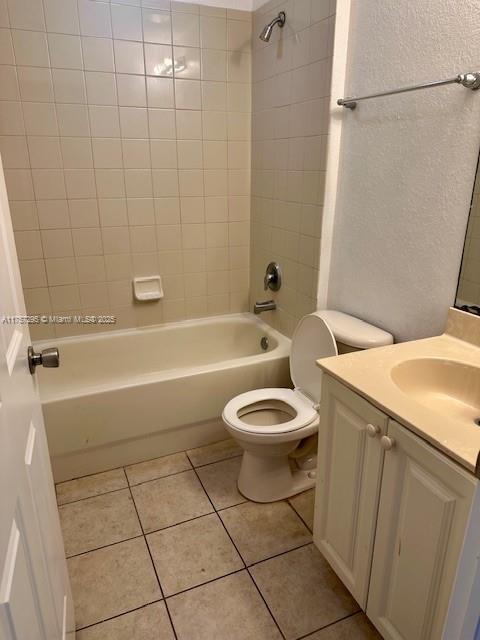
{"x": 408, "y": 165}
{"x": 291, "y": 87}
{"x": 116, "y": 165}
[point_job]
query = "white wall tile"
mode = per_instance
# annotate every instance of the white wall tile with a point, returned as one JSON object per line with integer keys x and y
{"x": 126, "y": 22}
{"x": 30, "y": 48}
{"x": 98, "y": 54}
{"x": 65, "y": 51}
{"x": 157, "y": 26}
{"x": 62, "y": 16}
{"x": 129, "y": 57}
{"x": 94, "y": 18}
{"x": 26, "y": 14}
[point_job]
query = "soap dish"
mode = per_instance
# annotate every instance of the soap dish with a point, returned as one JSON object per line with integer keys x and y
{"x": 148, "y": 288}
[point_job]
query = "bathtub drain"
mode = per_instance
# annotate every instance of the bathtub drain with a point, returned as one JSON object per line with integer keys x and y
{"x": 477, "y": 422}
{"x": 264, "y": 343}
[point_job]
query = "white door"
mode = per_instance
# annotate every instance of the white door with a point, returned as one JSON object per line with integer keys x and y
{"x": 35, "y": 597}
{"x": 350, "y": 461}
{"x": 424, "y": 508}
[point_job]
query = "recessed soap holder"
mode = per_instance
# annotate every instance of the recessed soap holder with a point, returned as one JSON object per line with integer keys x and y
{"x": 148, "y": 288}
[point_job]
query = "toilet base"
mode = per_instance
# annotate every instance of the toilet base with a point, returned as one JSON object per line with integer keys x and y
{"x": 267, "y": 479}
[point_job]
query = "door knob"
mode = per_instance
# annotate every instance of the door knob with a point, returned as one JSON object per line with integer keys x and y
{"x": 372, "y": 430}
{"x": 47, "y": 358}
{"x": 387, "y": 443}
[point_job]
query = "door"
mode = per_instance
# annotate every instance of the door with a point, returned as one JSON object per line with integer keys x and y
{"x": 35, "y": 598}
{"x": 424, "y": 507}
{"x": 349, "y": 473}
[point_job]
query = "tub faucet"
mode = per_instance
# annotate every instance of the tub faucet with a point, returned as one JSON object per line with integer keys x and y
{"x": 267, "y": 305}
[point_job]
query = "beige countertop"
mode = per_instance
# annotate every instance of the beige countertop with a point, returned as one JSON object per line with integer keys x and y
{"x": 368, "y": 373}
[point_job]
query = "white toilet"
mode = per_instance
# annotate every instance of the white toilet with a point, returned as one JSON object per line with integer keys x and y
{"x": 277, "y": 428}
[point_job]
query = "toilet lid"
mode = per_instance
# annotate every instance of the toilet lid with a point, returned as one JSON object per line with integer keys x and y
{"x": 311, "y": 340}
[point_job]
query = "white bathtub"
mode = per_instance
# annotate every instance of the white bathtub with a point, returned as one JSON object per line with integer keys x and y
{"x": 125, "y": 396}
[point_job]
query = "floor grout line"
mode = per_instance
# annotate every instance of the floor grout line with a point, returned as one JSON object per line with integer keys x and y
{"x": 330, "y": 624}
{"x": 298, "y": 514}
{"x": 96, "y": 495}
{"x": 104, "y": 546}
{"x": 153, "y": 565}
{"x": 119, "y": 615}
{"x": 243, "y": 560}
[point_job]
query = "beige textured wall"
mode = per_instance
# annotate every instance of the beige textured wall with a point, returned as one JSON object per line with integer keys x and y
{"x": 291, "y": 86}
{"x": 469, "y": 284}
{"x": 117, "y": 169}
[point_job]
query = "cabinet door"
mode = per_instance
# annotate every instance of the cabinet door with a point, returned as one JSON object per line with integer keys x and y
{"x": 424, "y": 508}
{"x": 349, "y": 472}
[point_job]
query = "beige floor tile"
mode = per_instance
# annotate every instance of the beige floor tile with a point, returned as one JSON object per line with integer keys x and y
{"x": 302, "y": 591}
{"x": 149, "y": 623}
{"x": 304, "y": 504}
{"x": 261, "y": 531}
{"x": 226, "y": 609}
{"x": 112, "y": 581}
{"x": 171, "y": 500}
{"x": 192, "y": 553}
{"x": 214, "y": 452}
{"x": 99, "y": 521}
{"x": 91, "y": 486}
{"x": 356, "y": 627}
{"x": 158, "y": 468}
{"x": 220, "y": 482}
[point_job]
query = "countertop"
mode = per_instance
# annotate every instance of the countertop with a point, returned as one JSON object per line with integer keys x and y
{"x": 368, "y": 373}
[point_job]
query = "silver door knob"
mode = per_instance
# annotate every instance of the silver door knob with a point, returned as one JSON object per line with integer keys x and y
{"x": 47, "y": 358}
{"x": 387, "y": 443}
{"x": 372, "y": 430}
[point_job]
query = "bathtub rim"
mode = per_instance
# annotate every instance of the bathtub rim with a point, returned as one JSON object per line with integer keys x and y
{"x": 280, "y": 351}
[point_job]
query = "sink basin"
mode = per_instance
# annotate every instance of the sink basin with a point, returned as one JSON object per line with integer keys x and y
{"x": 447, "y": 387}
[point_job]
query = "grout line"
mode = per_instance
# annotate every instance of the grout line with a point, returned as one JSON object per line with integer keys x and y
{"x": 241, "y": 557}
{"x": 153, "y": 564}
{"x": 119, "y": 615}
{"x": 277, "y": 555}
{"x": 171, "y": 526}
{"x": 96, "y": 495}
{"x": 202, "y": 584}
{"x": 104, "y": 546}
{"x": 329, "y": 625}
{"x": 298, "y": 514}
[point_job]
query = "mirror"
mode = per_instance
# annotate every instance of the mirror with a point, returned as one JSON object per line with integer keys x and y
{"x": 468, "y": 291}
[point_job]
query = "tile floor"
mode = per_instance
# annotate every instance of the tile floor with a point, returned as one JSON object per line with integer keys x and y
{"x": 169, "y": 549}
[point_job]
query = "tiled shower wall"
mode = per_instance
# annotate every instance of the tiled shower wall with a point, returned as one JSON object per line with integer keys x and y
{"x": 125, "y": 136}
{"x": 291, "y": 88}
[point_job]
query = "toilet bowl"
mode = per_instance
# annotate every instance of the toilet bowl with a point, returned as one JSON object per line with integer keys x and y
{"x": 277, "y": 428}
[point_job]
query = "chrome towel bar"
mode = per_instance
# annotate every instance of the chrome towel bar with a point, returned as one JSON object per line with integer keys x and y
{"x": 469, "y": 80}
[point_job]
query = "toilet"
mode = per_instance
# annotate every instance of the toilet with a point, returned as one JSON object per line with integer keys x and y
{"x": 277, "y": 428}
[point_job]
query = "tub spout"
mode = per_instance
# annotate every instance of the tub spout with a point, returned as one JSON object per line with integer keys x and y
{"x": 267, "y": 305}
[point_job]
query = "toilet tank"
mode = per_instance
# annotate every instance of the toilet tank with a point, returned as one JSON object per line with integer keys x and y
{"x": 353, "y": 334}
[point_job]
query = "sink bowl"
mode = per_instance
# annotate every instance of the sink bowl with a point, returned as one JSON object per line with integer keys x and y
{"x": 446, "y": 387}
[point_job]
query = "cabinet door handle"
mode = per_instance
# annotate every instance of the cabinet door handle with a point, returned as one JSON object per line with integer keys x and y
{"x": 387, "y": 443}
{"x": 372, "y": 430}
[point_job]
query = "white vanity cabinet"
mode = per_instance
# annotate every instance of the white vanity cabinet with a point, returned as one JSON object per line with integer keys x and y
{"x": 391, "y": 515}
{"x": 350, "y": 461}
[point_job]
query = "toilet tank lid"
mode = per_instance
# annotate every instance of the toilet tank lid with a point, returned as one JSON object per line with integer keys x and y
{"x": 355, "y": 332}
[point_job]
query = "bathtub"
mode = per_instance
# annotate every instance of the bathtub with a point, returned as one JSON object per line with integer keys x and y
{"x": 121, "y": 397}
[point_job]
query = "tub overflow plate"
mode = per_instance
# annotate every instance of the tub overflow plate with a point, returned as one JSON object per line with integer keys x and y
{"x": 264, "y": 343}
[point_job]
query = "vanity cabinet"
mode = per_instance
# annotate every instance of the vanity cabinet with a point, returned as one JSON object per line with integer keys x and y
{"x": 391, "y": 515}
{"x": 350, "y": 461}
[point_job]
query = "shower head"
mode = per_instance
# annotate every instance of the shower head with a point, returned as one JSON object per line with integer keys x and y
{"x": 267, "y": 30}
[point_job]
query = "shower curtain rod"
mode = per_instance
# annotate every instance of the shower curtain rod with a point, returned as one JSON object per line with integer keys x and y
{"x": 470, "y": 80}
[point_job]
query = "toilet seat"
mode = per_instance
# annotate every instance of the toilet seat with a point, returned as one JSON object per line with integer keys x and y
{"x": 304, "y": 410}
